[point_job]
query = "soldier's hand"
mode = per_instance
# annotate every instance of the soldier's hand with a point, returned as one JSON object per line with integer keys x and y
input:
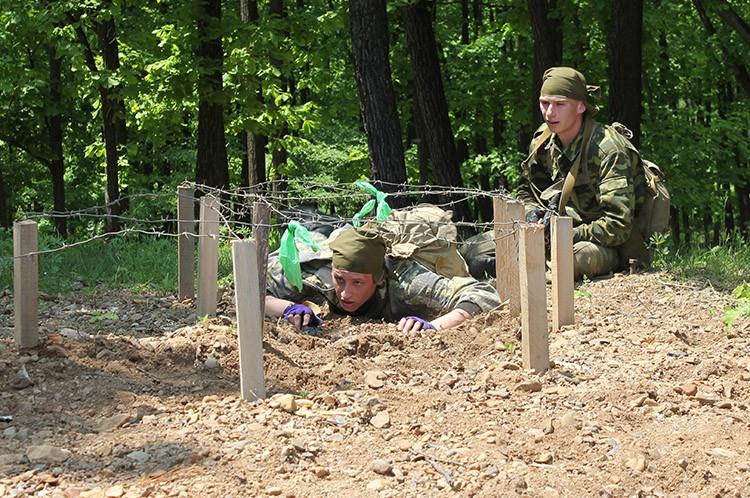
{"x": 414, "y": 324}
{"x": 535, "y": 215}
{"x": 301, "y": 316}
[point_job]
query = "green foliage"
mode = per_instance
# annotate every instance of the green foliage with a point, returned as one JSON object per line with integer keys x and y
{"x": 119, "y": 263}
{"x": 582, "y": 292}
{"x": 290, "y": 78}
{"x": 742, "y": 308}
{"x": 724, "y": 267}
{"x": 659, "y": 245}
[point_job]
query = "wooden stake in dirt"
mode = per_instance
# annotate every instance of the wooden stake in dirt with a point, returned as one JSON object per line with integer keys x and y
{"x": 534, "y": 333}
{"x": 25, "y": 284}
{"x": 261, "y": 219}
{"x": 507, "y": 213}
{"x": 562, "y": 271}
{"x": 185, "y": 243}
{"x": 208, "y": 267}
{"x": 247, "y": 300}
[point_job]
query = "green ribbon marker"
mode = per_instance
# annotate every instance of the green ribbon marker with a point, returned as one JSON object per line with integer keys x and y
{"x": 289, "y": 255}
{"x": 383, "y": 210}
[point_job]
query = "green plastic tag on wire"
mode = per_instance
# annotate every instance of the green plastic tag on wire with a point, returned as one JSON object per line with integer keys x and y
{"x": 383, "y": 209}
{"x": 289, "y": 255}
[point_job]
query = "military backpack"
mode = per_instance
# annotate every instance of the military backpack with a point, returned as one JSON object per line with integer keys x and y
{"x": 652, "y": 216}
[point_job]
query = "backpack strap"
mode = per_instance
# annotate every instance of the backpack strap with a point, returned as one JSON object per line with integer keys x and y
{"x": 570, "y": 178}
{"x": 541, "y": 140}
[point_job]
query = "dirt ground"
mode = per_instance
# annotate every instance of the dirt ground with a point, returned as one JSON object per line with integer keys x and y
{"x": 128, "y": 396}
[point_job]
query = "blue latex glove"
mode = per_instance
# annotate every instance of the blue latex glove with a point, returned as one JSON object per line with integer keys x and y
{"x": 302, "y": 310}
{"x": 424, "y": 323}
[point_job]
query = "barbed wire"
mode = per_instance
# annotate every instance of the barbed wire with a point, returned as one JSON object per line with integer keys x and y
{"x": 283, "y": 206}
{"x": 107, "y": 235}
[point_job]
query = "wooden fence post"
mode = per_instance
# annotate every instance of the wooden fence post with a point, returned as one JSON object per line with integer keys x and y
{"x": 185, "y": 243}
{"x": 261, "y": 219}
{"x": 209, "y": 256}
{"x": 562, "y": 272}
{"x": 25, "y": 284}
{"x": 506, "y": 214}
{"x": 534, "y": 332}
{"x": 248, "y": 300}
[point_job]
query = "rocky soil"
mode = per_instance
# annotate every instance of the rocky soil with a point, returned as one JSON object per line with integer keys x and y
{"x": 128, "y": 396}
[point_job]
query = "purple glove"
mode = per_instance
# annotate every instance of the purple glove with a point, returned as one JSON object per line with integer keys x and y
{"x": 425, "y": 324}
{"x": 301, "y": 309}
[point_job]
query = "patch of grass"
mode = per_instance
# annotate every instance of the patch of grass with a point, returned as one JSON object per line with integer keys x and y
{"x": 725, "y": 266}
{"x": 582, "y": 291}
{"x": 742, "y": 308}
{"x": 138, "y": 264}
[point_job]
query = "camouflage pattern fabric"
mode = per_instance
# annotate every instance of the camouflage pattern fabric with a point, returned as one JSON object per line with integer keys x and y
{"x": 609, "y": 189}
{"x": 592, "y": 259}
{"x": 409, "y": 289}
{"x": 425, "y": 234}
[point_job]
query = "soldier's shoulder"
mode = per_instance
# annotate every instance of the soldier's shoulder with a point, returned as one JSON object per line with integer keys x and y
{"x": 608, "y": 140}
{"x": 538, "y": 132}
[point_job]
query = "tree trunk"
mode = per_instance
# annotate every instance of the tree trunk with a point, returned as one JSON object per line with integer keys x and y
{"x": 743, "y": 205}
{"x": 674, "y": 223}
{"x": 484, "y": 203}
{"x": 428, "y": 84}
{"x": 707, "y": 222}
{"x": 5, "y": 221}
{"x": 423, "y": 154}
{"x": 113, "y": 115}
{"x": 254, "y": 159}
{"x": 625, "y": 64}
{"x": 278, "y": 154}
{"x": 255, "y": 146}
{"x": 547, "y": 49}
{"x": 730, "y": 16}
{"x": 55, "y": 135}
{"x": 372, "y": 69}
{"x": 740, "y": 70}
{"x": 686, "y": 227}
{"x": 464, "y": 22}
{"x": 728, "y": 212}
{"x": 476, "y": 6}
{"x": 211, "y": 167}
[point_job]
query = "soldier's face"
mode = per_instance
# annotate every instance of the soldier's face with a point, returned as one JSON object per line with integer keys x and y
{"x": 562, "y": 115}
{"x": 353, "y": 289}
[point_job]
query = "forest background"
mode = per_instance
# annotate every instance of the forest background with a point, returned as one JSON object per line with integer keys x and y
{"x": 104, "y": 99}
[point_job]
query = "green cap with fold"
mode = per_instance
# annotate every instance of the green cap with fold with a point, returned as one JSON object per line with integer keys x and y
{"x": 359, "y": 251}
{"x": 569, "y": 83}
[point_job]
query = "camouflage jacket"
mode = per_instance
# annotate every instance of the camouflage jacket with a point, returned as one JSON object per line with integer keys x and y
{"x": 409, "y": 289}
{"x": 609, "y": 189}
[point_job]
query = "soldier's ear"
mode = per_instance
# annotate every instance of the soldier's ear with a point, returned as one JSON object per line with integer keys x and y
{"x": 581, "y": 107}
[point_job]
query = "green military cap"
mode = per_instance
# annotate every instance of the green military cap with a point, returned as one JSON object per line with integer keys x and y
{"x": 359, "y": 251}
{"x": 569, "y": 83}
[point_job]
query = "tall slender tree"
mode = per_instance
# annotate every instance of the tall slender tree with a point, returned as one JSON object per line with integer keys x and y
{"x": 732, "y": 19}
{"x": 428, "y": 85}
{"x": 53, "y": 122}
{"x": 625, "y": 65}
{"x": 254, "y": 158}
{"x": 212, "y": 167}
{"x": 112, "y": 102}
{"x": 370, "y": 49}
{"x": 546, "y": 27}
{"x": 5, "y": 221}
{"x": 279, "y": 153}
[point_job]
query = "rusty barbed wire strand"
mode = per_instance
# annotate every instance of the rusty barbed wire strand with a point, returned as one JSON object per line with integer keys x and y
{"x": 283, "y": 208}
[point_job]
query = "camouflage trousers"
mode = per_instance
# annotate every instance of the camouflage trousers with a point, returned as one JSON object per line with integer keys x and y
{"x": 592, "y": 259}
{"x": 589, "y": 259}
